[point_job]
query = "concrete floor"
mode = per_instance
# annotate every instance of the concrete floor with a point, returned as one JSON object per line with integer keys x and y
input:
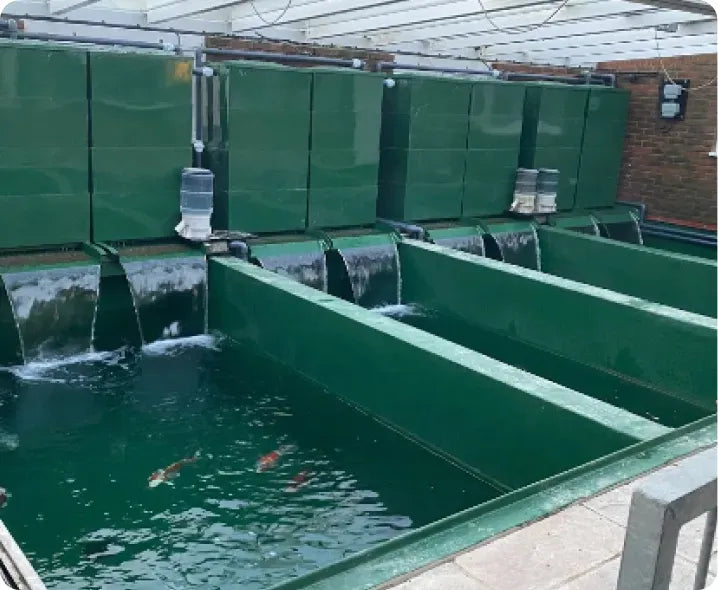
{"x": 578, "y": 548}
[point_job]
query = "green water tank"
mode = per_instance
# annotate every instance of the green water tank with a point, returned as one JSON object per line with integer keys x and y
{"x": 141, "y": 113}
{"x": 494, "y": 142}
{"x": 43, "y": 145}
{"x": 600, "y": 168}
{"x": 552, "y": 135}
{"x": 423, "y": 148}
{"x": 344, "y": 156}
{"x": 258, "y": 146}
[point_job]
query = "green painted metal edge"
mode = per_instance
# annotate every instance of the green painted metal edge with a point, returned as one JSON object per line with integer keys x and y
{"x": 363, "y": 241}
{"x": 496, "y": 226}
{"x": 678, "y": 280}
{"x": 457, "y": 532}
{"x": 458, "y": 231}
{"x": 44, "y": 261}
{"x": 570, "y": 220}
{"x": 260, "y": 250}
{"x": 158, "y": 251}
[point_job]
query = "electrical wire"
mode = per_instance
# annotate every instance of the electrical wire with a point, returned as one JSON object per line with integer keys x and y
{"x": 275, "y": 21}
{"x": 521, "y": 29}
{"x": 667, "y": 75}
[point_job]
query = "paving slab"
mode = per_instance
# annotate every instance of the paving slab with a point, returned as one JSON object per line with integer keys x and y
{"x": 448, "y": 576}
{"x": 546, "y": 553}
{"x": 578, "y": 548}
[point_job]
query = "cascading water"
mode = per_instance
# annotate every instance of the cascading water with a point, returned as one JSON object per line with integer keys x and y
{"x": 374, "y": 274}
{"x": 309, "y": 268}
{"x": 628, "y": 231}
{"x": 472, "y": 244}
{"x": 169, "y": 296}
{"x": 54, "y": 309}
{"x": 520, "y": 248}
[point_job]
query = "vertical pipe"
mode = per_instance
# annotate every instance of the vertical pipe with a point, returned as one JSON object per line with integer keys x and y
{"x": 198, "y": 144}
{"x": 706, "y": 548}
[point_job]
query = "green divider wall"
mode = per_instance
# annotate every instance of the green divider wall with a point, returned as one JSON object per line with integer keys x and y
{"x": 344, "y": 157}
{"x": 43, "y": 145}
{"x": 258, "y": 146}
{"x": 508, "y": 426}
{"x": 553, "y": 133}
{"x": 602, "y": 148}
{"x": 495, "y": 123}
{"x": 658, "y": 348}
{"x": 684, "y": 282}
{"x": 423, "y": 148}
{"x": 141, "y": 110}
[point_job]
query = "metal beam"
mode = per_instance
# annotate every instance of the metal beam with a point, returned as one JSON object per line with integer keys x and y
{"x": 694, "y": 6}
{"x": 395, "y": 13}
{"x": 570, "y": 31}
{"x": 599, "y": 42}
{"x": 507, "y": 19}
{"x": 63, "y": 6}
{"x": 590, "y": 55}
{"x": 269, "y": 11}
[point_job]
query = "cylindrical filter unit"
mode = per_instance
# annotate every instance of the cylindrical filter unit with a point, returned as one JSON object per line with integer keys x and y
{"x": 546, "y": 189}
{"x": 524, "y": 191}
{"x": 196, "y": 200}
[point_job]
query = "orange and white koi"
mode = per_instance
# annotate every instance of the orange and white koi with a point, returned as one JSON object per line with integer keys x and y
{"x": 270, "y": 459}
{"x": 171, "y": 471}
{"x": 298, "y": 481}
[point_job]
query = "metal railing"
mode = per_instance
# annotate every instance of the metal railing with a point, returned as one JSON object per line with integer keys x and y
{"x": 659, "y": 508}
{"x": 15, "y": 569}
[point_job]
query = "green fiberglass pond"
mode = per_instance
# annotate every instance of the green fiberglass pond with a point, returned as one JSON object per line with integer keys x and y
{"x": 78, "y": 441}
{"x": 308, "y": 396}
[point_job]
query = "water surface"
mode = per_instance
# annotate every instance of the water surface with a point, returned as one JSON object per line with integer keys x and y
{"x": 79, "y": 439}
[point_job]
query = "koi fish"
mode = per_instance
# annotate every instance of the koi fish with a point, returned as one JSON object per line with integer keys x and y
{"x": 270, "y": 459}
{"x": 170, "y": 472}
{"x": 298, "y": 481}
{"x": 3, "y": 497}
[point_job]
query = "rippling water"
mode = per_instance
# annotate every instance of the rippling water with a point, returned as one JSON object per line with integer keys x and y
{"x": 87, "y": 432}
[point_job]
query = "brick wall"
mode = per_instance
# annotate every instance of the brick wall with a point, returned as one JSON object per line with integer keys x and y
{"x": 666, "y": 163}
{"x": 371, "y": 57}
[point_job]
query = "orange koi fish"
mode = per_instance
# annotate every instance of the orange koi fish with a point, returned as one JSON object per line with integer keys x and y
{"x": 298, "y": 481}
{"x": 170, "y": 472}
{"x": 270, "y": 459}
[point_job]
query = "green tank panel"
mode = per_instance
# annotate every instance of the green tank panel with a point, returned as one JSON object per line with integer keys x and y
{"x": 494, "y": 142}
{"x": 258, "y": 146}
{"x": 552, "y": 134}
{"x": 43, "y": 145}
{"x": 600, "y": 168}
{"x": 141, "y": 113}
{"x": 424, "y": 135}
{"x": 344, "y": 156}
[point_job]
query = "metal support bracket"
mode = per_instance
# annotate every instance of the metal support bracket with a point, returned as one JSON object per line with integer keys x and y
{"x": 659, "y": 508}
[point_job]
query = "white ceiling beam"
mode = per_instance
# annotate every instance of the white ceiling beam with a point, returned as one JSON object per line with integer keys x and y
{"x": 515, "y": 21}
{"x": 506, "y": 19}
{"x": 570, "y": 30}
{"x": 589, "y": 55}
{"x": 411, "y": 14}
{"x": 693, "y": 6}
{"x": 247, "y": 17}
{"x": 62, "y": 6}
{"x": 597, "y": 40}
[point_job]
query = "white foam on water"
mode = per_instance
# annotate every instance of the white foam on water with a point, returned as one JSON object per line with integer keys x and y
{"x": 399, "y": 310}
{"x": 176, "y": 345}
{"x": 48, "y": 369}
{"x": 8, "y": 441}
